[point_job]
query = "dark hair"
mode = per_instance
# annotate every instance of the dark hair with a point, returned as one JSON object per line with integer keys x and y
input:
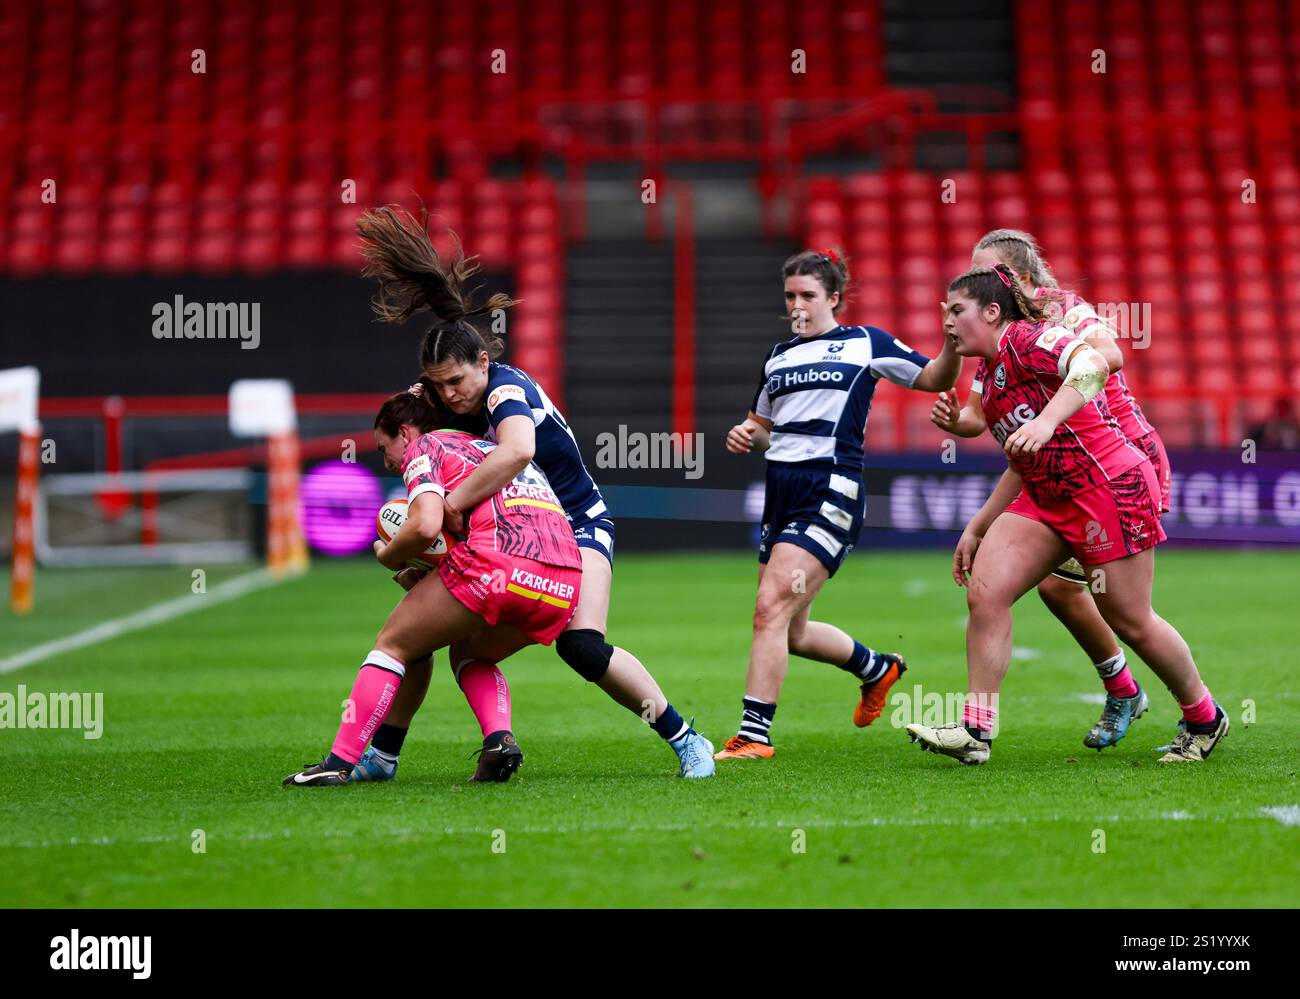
{"x": 424, "y": 411}
{"x": 987, "y": 285}
{"x": 413, "y": 279}
{"x": 827, "y": 266}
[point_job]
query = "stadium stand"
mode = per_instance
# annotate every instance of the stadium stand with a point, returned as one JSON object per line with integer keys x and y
{"x": 237, "y": 169}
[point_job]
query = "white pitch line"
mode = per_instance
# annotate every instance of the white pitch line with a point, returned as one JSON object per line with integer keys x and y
{"x": 779, "y": 825}
{"x": 231, "y": 589}
{"x": 1288, "y": 815}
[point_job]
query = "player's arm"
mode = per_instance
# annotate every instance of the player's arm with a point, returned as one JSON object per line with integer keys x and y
{"x": 1101, "y": 338}
{"x": 516, "y": 445}
{"x": 421, "y": 529}
{"x": 1084, "y": 373}
{"x": 968, "y": 422}
{"x": 896, "y": 361}
{"x": 963, "y": 557}
{"x": 754, "y": 434}
{"x": 940, "y": 373}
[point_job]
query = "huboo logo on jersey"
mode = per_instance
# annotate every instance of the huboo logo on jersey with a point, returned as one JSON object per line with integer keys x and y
{"x": 504, "y": 393}
{"x": 808, "y": 376}
{"x": 1021, "y": 414}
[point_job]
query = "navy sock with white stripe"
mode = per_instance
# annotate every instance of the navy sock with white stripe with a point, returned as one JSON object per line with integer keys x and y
{"x": 669, "y": 725}
{"x": 756, "y": 721}
{"x": 866, "y": 664}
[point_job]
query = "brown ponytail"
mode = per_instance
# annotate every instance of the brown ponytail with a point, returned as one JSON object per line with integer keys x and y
{"x": 412, "y": 277}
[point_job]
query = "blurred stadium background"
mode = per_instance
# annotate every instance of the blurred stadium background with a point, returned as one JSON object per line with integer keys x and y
{"x": 220, "y": 152}
{"x": 635, "y": 173}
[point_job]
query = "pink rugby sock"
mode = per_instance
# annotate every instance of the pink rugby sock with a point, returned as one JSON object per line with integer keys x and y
{"x": 1121, "y": 684}
{"x": 1116, "y": 676}
{"x": 485, "y": 687}
{"x": 1200, "y": 713}
{"x": 980, "y": 717}
{"x": 372, "y": 696}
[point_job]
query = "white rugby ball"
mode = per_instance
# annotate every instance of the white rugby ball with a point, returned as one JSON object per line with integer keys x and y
{"x": 392, "y": 515}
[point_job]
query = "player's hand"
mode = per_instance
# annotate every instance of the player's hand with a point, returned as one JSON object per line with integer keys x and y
{"x": 381, "y": 552}
{"x": 452, "y": 519}
{"x": 408, "y": 577}
{"x": 945, "y": 413}
{"x": 963, "y": 557}
{"x": 1028, "y": 438}
{"x": 740, "y": 440}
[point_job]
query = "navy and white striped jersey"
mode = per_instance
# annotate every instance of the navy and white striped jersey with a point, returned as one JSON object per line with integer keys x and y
{"x": 510, "y": 392}
{"x": 817, "y": 391}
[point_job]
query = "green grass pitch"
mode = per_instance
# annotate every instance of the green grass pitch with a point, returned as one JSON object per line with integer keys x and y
{"x": 205, "y": 714}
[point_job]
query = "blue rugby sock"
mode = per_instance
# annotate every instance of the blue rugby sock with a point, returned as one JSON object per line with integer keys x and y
{"x": 866, "y": 664}
{"x": 669, "y": 725}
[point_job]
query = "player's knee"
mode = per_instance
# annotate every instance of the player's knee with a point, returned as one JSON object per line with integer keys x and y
{"x": 1133, "y": 629}
{"x": 983, "y": 600}
{"x": 772, "y": 610}
{"x": 586, "y": 651}
{"x": 1060, "y": 594}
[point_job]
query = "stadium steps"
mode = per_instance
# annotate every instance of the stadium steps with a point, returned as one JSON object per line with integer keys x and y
{"x": 950, "y": 43}
{"x": 619, "y": 336}
{"x": 963, "y": 52}
{"x": 738, "y": 302}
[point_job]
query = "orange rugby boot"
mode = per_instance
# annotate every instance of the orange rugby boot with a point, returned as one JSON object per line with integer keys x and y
{"x": 740, "y": 748}
{"x": 872, "y": 702}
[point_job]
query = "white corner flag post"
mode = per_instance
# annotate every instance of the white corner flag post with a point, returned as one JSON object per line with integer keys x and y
{"x": 19, "y": 391}
{"x": 263, "y": 407}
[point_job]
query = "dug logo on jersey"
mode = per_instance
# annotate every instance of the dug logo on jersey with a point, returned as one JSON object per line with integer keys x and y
{"x": 1022, "y": 414}
{"x": 1086, "y": 451}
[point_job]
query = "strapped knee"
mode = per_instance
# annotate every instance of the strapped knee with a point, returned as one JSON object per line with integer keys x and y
{"x": 586, "y": 650}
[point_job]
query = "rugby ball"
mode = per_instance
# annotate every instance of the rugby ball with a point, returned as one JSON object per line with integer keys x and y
{"x": 392, "y": 515}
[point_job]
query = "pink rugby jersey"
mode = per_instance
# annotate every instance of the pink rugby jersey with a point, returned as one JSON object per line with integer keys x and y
{"x": 1077, "y": 315}
{"x": 523, "y": 519}
{"x": 1086, "y": 451}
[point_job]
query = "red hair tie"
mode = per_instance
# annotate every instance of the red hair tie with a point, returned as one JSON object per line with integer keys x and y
{"x": 831, "y": 254}
{"x": 1005, "y": 280}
